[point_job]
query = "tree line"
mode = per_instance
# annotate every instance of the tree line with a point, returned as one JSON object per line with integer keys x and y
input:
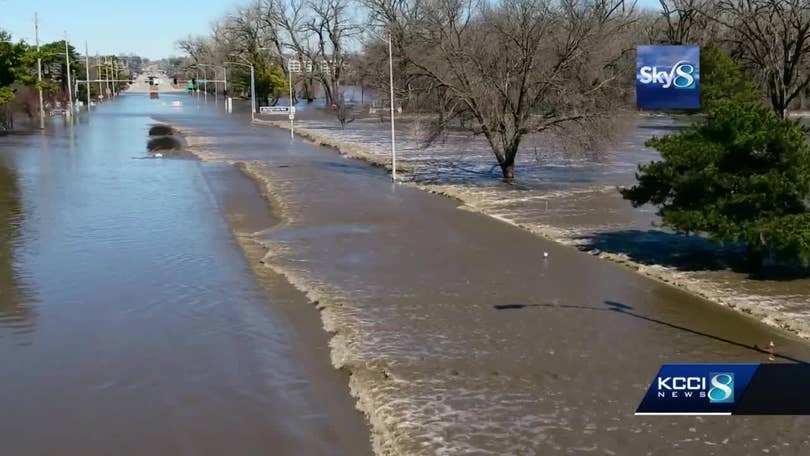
{"x": 565, "y": 70}
{"x": 19, "y": 83}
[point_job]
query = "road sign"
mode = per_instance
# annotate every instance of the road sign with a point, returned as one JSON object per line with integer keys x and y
{"x": 291, "y": 116}
{"x": 274, "y": 110}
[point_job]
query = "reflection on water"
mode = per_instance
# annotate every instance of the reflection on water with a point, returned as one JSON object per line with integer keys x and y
{"x": 14, "y": 311}
{"x": 574, "y": 200}
{"x": 152, "y": 336}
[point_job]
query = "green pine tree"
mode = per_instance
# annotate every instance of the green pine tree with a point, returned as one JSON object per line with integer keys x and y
{"x": 740, "y": 174}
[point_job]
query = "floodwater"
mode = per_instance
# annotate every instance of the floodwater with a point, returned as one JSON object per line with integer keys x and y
{"x": 572, "y": 198}
{"x": 130, "y": 321}
{"x": 463, "y": 337}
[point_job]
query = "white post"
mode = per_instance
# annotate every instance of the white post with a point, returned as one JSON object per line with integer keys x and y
{"x": 292, "y": 115}
{"x": 70, "y": 87}
{"x": 87, "y": 69}
{"x": 391, "y": 83}
{"x": 39, "y": 76}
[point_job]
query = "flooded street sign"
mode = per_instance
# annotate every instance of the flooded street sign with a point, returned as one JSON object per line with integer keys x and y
{"x": 276, "y": 110}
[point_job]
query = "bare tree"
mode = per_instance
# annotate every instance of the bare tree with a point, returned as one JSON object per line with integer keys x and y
{"x": 516, "y": 67}
{"x": 772, "y": 39}
{"x": 682, "y": 22}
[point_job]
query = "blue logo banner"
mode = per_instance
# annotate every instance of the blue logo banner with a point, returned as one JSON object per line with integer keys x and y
{"x": 668, "y": 77}
{"x": 697, "y": 389}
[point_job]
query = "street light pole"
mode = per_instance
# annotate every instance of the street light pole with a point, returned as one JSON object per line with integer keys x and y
{"x": 39, "y": 76}
{"x": 114, "y": 76}
{"x": 70, "y": 87}
{"x": 292, "y": 114}
{"x": 87, "y": 69}
{"x": 289, "y": 81}
{"x": 98, "y": 77}
{"x": 107, "y": 76}
{"x": 252, "y": 94}
{"x": 252, "y": 86}
{"x": 391, "y": 84}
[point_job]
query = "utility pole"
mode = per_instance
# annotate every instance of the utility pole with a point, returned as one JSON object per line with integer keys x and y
{"x": 39, "y": 75}
{"x": 70, "y": 86}
{"x": 87, "y": 69}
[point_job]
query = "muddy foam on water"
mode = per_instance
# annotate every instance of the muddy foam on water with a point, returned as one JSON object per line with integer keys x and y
{"x": 574, "y": 201}
{"x": 435, "y": 369}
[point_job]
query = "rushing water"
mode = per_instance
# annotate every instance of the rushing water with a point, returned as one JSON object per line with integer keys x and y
{"x": 463, "y": 337}
{"x": 573, "y": 199}
{"x": 130, "y": 322}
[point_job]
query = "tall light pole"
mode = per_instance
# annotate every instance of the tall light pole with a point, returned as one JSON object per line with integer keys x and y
{"x": 39, "y": 76}
{"x": 292, "y": 114}
{"x": 391, "y": 84}
{"x": 252, "y": 85}
{"x": 107, "y": 76}
{"x": 114, "y": 75}
{"x": 215, "y": 75}
{"x": 289, "y": 82}
{"x": 70, "y": 87}
{"x": 205, "y": 85}
{"x": 87, "y": 69}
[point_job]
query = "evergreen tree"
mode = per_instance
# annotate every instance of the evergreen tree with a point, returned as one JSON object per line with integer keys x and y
{"x": 740, "y": 174}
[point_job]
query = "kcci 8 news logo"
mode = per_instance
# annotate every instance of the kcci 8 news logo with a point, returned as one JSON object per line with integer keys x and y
{"x": 717, "y": 387}
{"x": 668, "y": 77}
{"x": 713, "y": 389}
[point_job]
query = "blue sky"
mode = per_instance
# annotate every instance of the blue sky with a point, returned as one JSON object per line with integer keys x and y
{"x": 120, "y": 26}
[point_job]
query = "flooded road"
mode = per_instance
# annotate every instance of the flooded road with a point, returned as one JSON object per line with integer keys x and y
{"x": 130, "y": 321}
{"x": 572, "y": 198}
{"x": 463, "y": 337}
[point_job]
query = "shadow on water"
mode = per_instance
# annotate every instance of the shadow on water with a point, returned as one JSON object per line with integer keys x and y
{"x": 686, "y": 253}
{"x": 13, "y": 296}
{"x": 623, "y": 309}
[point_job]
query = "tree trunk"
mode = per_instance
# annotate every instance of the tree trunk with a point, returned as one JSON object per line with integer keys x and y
{"x": 755, "y": 255}
{"x": 508, "y": 169}
{"x": 508, "y": 163}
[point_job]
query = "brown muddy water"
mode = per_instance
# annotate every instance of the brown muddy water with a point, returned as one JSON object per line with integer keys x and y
{"x": 463, "y": 338}
{"x": 572, "y": 198}
{"x": 130, "y": 320}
